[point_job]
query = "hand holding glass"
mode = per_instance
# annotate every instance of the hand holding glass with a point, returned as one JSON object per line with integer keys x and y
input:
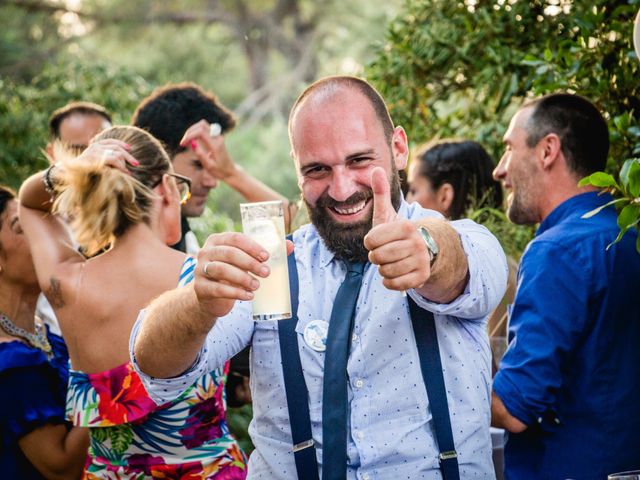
{"x": 263, "y": 222}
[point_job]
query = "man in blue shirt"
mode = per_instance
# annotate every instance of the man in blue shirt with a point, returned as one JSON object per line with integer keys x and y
{"x": 568, "y": 386}
{"x": 347, "y": 155}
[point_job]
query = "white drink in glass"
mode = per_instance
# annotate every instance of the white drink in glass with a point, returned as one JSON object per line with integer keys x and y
{"x": 264, "y": 223}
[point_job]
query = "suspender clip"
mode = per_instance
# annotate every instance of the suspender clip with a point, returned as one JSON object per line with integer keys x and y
{"x": 302, "y": 445}
{"x": 451, "y": 454}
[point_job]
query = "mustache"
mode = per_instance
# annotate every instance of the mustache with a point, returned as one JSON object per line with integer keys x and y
{"x": 325, "y": 201}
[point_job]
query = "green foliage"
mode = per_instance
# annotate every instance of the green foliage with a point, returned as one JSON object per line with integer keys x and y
{"x": 461, "y": 69}
{"x": 238, "y": 420}
{"x": 212, "y": 222}
{"x": 121, "y": 437}
{"x": 450, "y": 68}
{"x": 25, "y": 109}
{"x": 627, "y": 193}
{"x": 513, "y": 238}
{"x": 27, "y": 40}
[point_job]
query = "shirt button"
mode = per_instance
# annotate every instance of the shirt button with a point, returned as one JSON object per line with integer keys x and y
{"x": 354, "y": 338}
{"x": 365, "y": 476}
{"x": 359, "y": 383}
{"x": 360, "y": 435}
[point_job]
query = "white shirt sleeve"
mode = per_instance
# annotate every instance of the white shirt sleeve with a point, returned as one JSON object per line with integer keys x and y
{"x": 229, "y": 335}
{"x": 488, "y": 272}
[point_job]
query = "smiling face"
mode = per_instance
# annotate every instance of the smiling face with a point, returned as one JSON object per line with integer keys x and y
{"x": 337, "y": 140}
{"x": 518, "y": 172}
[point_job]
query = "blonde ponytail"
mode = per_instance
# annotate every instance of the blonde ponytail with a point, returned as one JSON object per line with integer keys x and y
{"x": 102, "y": 202}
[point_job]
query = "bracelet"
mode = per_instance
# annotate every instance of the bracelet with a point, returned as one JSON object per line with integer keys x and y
{"x": 48, "y": 183}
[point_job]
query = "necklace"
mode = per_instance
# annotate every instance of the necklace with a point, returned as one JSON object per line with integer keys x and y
{"x": 38, "y": 340}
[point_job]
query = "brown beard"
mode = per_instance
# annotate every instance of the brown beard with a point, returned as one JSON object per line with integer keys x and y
{"x": 346, "y": 240}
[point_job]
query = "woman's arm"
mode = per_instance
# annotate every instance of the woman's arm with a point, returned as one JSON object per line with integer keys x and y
{"x": 57, "y": 261}
{"x": 50, "y": 239}
{"x": 57, "y": 453}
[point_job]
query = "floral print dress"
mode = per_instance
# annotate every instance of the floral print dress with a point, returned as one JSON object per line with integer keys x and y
{"x": 133, "y": 438}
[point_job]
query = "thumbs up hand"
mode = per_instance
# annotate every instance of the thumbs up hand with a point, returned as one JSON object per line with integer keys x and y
{"x": 383, "y": 211}
{"x": 394, "y": 243}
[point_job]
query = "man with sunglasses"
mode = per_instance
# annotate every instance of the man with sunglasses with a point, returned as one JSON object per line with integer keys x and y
{"x": 191, "y": 124}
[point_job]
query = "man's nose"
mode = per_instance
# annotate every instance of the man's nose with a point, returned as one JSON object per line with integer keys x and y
{"x": 342, "y": 186}
{"x": 208, "y": 180}
{"x": 500, "y": 171}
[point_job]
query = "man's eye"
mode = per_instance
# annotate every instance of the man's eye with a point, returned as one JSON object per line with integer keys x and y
{"x": 315, "y": 172}
{"x": 360, "y": 160}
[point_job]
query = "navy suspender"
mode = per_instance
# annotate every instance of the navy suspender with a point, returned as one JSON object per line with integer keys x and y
{"x": 298, "y": 396}
{"x": 424, "y": 329}
{"x": 295, "y": 387}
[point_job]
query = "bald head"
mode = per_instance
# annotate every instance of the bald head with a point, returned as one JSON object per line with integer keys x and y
{"x": 331, "y": 89}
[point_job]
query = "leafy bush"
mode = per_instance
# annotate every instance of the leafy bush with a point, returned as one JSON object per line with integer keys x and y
{"x": 25, "y": 109}
{"x": 461, "y": 68}
{"x": 626, "y": 193}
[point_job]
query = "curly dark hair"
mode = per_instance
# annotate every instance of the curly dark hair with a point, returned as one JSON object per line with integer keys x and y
{"x": 170, "y": 110}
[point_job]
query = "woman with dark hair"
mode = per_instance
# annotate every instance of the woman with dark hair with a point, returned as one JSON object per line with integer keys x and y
{"x": 452, "y": 177}
{"x": 455, "y": 177}
{"x": 123, "y": 201}
{"x": 36, "y": 442}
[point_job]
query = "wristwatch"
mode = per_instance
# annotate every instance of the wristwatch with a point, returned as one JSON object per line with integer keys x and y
{"x": 432, "y": 246}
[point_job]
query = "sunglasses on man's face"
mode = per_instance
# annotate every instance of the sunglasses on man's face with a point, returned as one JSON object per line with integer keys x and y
{"x": 184, "y": 186}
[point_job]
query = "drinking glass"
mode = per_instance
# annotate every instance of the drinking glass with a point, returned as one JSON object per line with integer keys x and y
{"x": 264, "y": 223}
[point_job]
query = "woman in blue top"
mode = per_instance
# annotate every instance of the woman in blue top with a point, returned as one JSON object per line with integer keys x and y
{"x": 35, "y": 441}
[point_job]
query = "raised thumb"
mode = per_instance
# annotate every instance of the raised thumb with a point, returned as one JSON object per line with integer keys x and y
{"x": 383, "y": 211}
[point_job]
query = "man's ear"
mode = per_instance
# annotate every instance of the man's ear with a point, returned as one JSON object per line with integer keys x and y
{"x": 444, "y": 195}
{"x": 550, "y": 150}
{"x": 400, "y": 148}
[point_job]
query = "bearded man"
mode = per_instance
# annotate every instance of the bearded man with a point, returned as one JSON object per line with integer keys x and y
{"x": 359, "y": 406}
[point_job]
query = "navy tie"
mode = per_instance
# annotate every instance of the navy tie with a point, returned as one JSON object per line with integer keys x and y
{"x": 334, "y": 388}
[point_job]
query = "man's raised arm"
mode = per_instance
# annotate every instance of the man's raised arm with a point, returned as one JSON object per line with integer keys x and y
{"x": 174, "y": 327}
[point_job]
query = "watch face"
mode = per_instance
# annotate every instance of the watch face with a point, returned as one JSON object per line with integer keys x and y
{"x": 428, "y": 239}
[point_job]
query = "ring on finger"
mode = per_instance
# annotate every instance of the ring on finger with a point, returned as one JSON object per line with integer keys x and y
{"x": 206, "y": 273}
{"x": 215, "y": 129}
{"x": 108, "y": 153}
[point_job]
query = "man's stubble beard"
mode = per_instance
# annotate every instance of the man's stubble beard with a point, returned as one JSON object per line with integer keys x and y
{"x": 346, "y": 240}
{"x": 521, "y": 210}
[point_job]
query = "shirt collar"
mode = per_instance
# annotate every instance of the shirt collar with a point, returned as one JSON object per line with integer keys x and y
{"x": 575, "y": 206}
{"x": 327, "y": 256}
